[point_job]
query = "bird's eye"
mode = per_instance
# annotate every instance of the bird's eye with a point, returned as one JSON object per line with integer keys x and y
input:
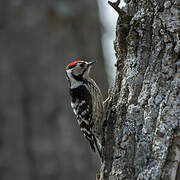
{"x": 81, "y": 65}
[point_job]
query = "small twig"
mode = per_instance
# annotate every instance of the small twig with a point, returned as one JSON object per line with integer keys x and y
{"x": 115, "y": 5}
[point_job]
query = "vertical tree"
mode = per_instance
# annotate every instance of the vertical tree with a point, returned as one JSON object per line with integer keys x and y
{"x": 39, "y": 136}
{"x": 142, "y": 126}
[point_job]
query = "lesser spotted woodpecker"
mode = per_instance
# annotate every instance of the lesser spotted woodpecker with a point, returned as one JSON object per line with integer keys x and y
{"x": 87, "y": 102}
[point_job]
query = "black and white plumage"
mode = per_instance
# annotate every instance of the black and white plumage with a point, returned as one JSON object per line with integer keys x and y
{"x": 87, "y": 102}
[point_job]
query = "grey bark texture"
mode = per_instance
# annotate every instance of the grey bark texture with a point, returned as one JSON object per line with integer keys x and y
{"x": 142, "y": 123}
{"x": 39, "y": 135}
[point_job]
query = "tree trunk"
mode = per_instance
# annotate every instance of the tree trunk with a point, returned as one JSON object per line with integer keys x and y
{"x": 39, "y": 136}
{"x": 142, "y": 124}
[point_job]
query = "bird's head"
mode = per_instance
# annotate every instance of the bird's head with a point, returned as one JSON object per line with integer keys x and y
{"x": 78, "y": 70}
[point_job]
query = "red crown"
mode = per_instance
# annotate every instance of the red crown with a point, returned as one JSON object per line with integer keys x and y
{"x": 73, "y": 63}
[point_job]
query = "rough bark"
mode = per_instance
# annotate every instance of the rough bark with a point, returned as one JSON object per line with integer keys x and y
{"x": 142, "y": 125}
{"x": 39, "y": 136}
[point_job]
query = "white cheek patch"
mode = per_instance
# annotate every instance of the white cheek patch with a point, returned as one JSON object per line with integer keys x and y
{"x": 69, "y": 72}
{"x": 73, "y": 107}
{"x": 75, "y": 112}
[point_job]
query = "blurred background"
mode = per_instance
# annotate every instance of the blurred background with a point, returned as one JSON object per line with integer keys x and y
{"x": 39, "y": 135}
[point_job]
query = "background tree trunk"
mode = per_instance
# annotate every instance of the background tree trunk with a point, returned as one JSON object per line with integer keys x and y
{"x": 39, "y": 136}
{"x": 142, "y": 127}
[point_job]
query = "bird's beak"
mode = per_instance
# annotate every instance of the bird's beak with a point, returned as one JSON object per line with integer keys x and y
{"x": 91, "y": 63}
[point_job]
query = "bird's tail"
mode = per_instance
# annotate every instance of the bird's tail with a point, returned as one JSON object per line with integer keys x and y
{"x": 94, "y": 145}
{"x": 97, "y": 147}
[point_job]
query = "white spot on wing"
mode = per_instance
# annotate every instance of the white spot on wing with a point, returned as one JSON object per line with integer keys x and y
{"x": 75, "y": 112}
{"x": 84, "y": 112}
{"x": 72, "y": 105}
{"x": 82, "y": 102}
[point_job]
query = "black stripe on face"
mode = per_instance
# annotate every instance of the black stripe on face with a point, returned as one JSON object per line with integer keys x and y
{"x": 67, "y": 77}
{"x": 79, "y": 77}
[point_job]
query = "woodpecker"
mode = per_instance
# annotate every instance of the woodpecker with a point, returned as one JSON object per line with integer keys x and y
{"x": 87, "y": 102}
